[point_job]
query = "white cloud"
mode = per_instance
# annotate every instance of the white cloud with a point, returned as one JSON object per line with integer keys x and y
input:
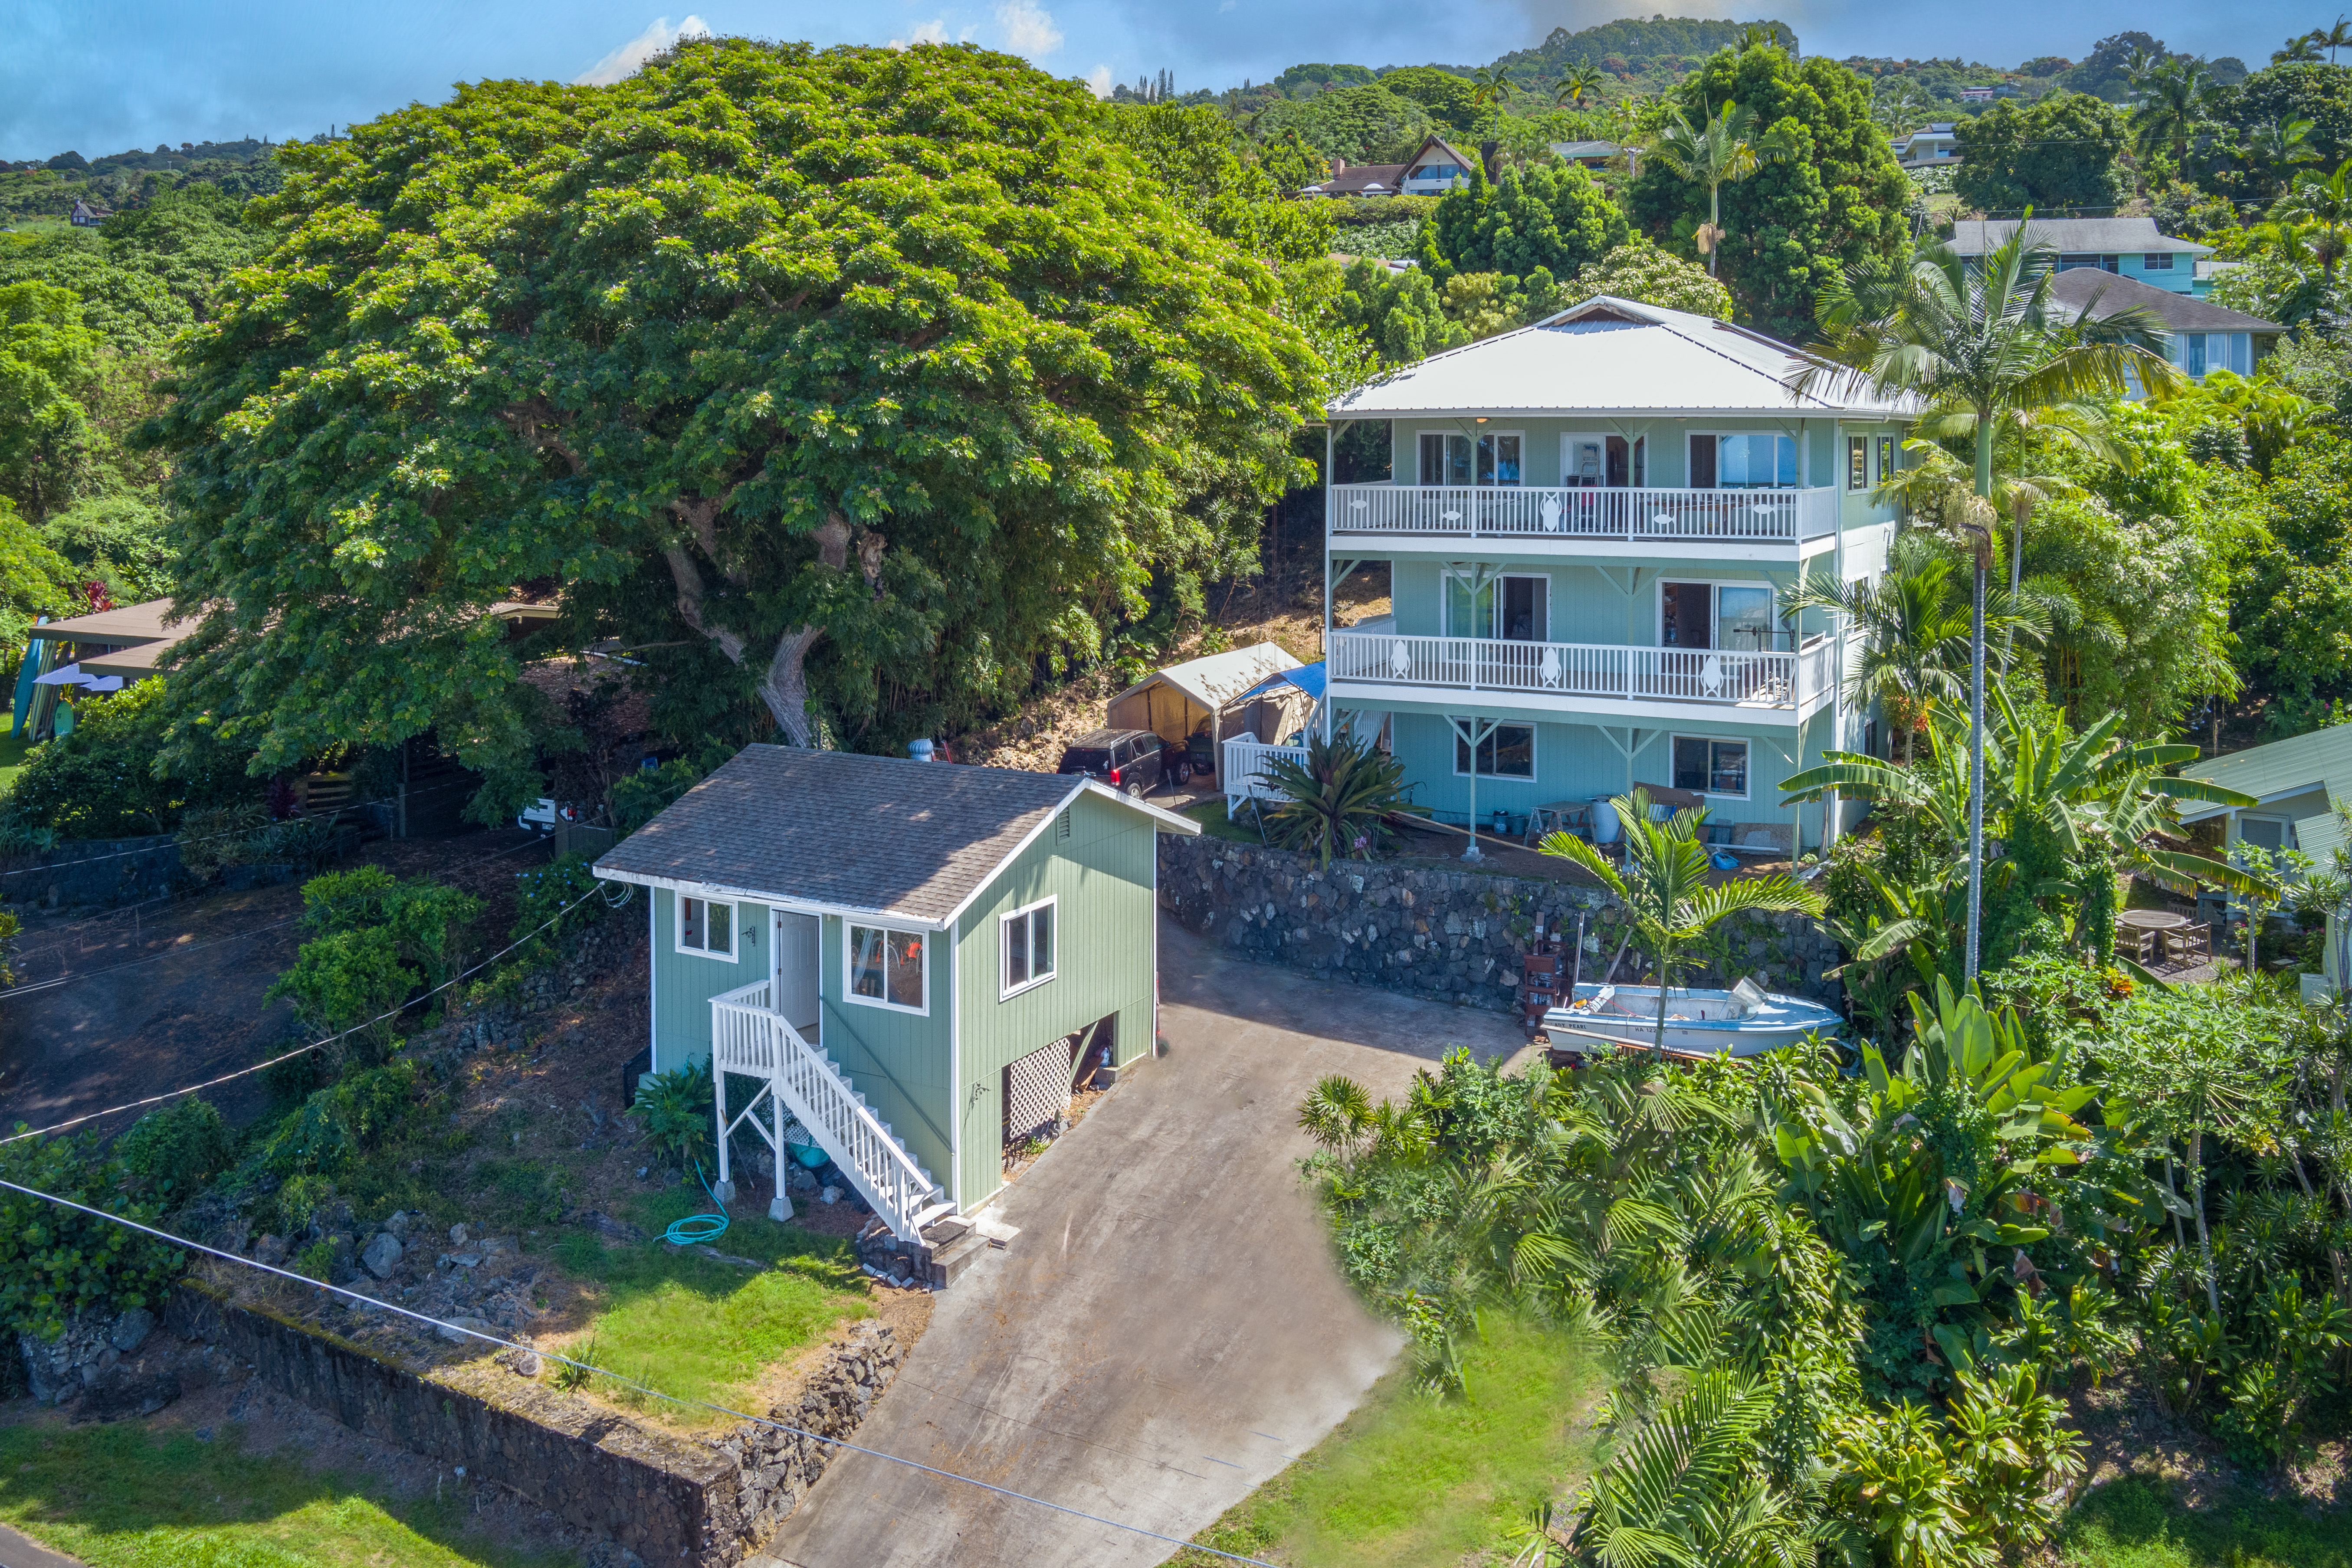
{"x": 1028, "y": 27}
{"x": 1100, "y": 80}
{"x": 934, "y": 31}
{"x": 623, "y": 62}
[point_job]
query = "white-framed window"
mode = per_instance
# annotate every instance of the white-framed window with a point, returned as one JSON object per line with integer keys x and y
{"x": 1027, "y": 946}
{"x": 1489, "y": 457}
{"x": 887, "y": 967}
{"x": 1711, "y": 766}
{"x": 1736, "y": 617}
{"x": 1742, "y": 460}
{"x": 1508, "y": 754}
{"x": 2156, "y": 261}
{"x": 1516, "y": 608}
{"x": 706, "y": 928}
{"x": 1595, "y": 460}
{"x": 1857, "y": 462}
{"x": 1886, "y": 458}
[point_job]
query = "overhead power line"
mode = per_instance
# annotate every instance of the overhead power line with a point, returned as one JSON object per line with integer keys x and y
{"x": 448, "y": 1329}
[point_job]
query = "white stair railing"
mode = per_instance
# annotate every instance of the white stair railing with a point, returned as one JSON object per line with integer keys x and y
{"x": 747, "y": 1036}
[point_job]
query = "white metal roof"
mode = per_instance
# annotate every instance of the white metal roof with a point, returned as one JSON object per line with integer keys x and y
{"x": 1220, "y": 678}
{"x": 2321, "y": 760}
{"x": 2073, "y": 236}
{"x": 1609, "y": 358}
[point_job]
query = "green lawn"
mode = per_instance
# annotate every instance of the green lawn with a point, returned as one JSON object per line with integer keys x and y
{"x": 2138, "y": 1523}
{"x": 1211, "y": 816}
{"x": 1408, "y": 1481}
{"x": 115, "y": 1497}
{"x": 12, "y": 750}
{"x": 704, "y": 1329}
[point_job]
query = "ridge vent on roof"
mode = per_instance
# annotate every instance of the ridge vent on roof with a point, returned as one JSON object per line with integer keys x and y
{"x": 1609, "y": 313}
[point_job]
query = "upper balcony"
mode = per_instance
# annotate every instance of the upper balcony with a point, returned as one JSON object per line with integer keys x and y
{"x": 1761, "y": 524}
{"x": 1603, "y": 683}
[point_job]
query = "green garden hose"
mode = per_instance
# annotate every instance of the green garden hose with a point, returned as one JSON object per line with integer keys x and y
{"x": 699, "y": 1229}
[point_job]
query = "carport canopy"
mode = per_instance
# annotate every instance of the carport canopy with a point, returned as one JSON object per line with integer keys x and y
{"x": 1174, "y": 702}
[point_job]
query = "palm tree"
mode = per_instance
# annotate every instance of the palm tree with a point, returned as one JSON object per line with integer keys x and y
{"x": 2174, "y": 96}
{"x": 2274, "y": 147}
{"x": 1895, "y": 105}
{"x": 1668, "y": 886}
{"x": 1580, "y": 79}
{"x": 2303, "y": 51}
{"x": 1491, "y": 87}
{"x": 2325, "y": 207}
{"x": 1979, "y": 338}
{"x": 1915, "y": 622}
{"x": 2334, "y": 38}
{"x": 1718, "y": 155}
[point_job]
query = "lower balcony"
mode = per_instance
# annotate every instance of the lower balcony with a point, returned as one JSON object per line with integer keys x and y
{"x": 1596, "y": 678}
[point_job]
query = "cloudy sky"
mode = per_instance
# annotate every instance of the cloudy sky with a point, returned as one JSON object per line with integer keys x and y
{"x": 102, "y": 75}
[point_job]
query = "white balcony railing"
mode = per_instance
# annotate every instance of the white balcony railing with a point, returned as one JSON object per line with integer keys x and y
{"x": 1243, "y": 763}
{"x": 1721, "y": 677}
{"x": 1519, "y": 512}
{"x": 750, "y": 1039}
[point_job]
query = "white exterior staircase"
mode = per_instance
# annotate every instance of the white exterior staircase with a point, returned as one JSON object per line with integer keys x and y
{"x": 801, "y": 1081}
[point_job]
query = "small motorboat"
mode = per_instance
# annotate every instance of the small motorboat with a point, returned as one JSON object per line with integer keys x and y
{"x": 1741, "y": 1022}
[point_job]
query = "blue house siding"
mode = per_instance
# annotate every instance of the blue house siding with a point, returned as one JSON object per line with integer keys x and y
{"x": 1584, "y": 762}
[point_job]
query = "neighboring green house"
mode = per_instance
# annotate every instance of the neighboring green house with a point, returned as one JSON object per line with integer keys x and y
{"x": 912, "y": 960}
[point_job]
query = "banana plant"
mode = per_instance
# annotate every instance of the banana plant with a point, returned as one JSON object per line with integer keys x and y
{"x": 1944, "y": 1177}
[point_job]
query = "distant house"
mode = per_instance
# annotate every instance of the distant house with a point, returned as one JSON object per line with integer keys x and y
{"x": 2201, "y": 336}
{"x": 1435, "y": 168}
{"x": 1927, "y": 146}
{"x": 1978, "y": 94}
{"x": 1587, "y": 154}
{"x": 2126, "y": 246}
{"x": 86, "y": 216}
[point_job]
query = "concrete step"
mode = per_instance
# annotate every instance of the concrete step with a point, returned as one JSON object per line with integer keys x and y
{"x": 948, "y": 1263}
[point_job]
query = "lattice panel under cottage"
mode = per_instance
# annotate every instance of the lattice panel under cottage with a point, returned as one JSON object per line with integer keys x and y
{"x": 1037, "y": 1092}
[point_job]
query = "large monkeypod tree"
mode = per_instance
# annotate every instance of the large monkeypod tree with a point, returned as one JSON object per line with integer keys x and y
{"x": 876, "y": 370}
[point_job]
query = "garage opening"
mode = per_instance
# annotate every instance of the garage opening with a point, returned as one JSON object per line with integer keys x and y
{"x": 1038, "y": 1088}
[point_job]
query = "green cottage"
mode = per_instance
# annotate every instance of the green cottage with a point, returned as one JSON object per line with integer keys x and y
{"x": 914, "y": 961}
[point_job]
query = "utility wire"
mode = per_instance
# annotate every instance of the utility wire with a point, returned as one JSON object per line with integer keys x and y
{"x": 448, "y": 1329}
{"x": 329, "y": 1040}
{"x": 232, "y": 832}
{"x": 40, "y": 985}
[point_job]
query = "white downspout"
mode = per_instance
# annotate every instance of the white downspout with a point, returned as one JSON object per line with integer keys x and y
{"x": 1330, "y": 474}
{"x": 961, "y": 1105}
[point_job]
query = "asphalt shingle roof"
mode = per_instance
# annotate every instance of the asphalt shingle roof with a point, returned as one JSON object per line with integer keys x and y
{"x": 2104, "y": 293}
{"x": 839, "y": 828}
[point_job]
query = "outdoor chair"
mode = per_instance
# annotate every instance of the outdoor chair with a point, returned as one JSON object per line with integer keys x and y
{"x": 2138, "y": 945}
{"x": 2190, "y": 944}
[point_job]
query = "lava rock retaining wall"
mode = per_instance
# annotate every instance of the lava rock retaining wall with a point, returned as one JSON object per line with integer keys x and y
{"x": 102, "y": 872}
{"x": 667, "y": 1499}
{"x": 588, "y": 955}
{"x": 1453, "y": 936}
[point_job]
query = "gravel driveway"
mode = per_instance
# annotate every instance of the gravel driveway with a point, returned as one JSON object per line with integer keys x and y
{"x": 1169, "y": 1328}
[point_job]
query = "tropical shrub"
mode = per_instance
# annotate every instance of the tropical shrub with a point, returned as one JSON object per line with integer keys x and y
{"x": 1337, "y": 802}
{"x": 676, "y": 1108}
{"x": 350, "y": 981}
{"x": 564, "y": 892}
{"x": 55, "y": 1262}
{"x": 172, "y": 1152}
{"x": 1643, "y": 273}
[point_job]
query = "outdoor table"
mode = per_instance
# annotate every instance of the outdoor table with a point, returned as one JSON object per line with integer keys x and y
{"x": 2157, "y": 923}
{"x": 1560, "y": 816}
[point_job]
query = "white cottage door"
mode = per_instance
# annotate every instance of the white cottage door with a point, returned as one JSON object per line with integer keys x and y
{"x": 795, "y": 971}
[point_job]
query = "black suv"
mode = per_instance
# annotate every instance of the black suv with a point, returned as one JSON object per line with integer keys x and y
{"x": 1126, "y": 760}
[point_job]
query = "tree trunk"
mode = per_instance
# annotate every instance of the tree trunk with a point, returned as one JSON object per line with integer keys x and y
{"x": 783, "y": 684}
{"x": 1976, "y": 703}
{"x": 1665, "y": 971}
{"x": 2204, "y": 1240}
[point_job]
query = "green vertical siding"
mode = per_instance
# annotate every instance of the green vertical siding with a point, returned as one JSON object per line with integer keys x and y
{"x": 897, "y": 1060}
{"x": 1101, "y": 876}
{"x": 684, "y": 982}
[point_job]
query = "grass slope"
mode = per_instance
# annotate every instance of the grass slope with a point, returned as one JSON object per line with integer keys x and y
{"x": 2138, "y": 1523}
{"x": 116, "y": 1498}
{"x": 1408, "y": 1481}
{"x": 704, "y": 1329}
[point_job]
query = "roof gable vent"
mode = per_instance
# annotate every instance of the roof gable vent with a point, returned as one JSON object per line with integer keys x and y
{"x": 1062, "y": 826}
